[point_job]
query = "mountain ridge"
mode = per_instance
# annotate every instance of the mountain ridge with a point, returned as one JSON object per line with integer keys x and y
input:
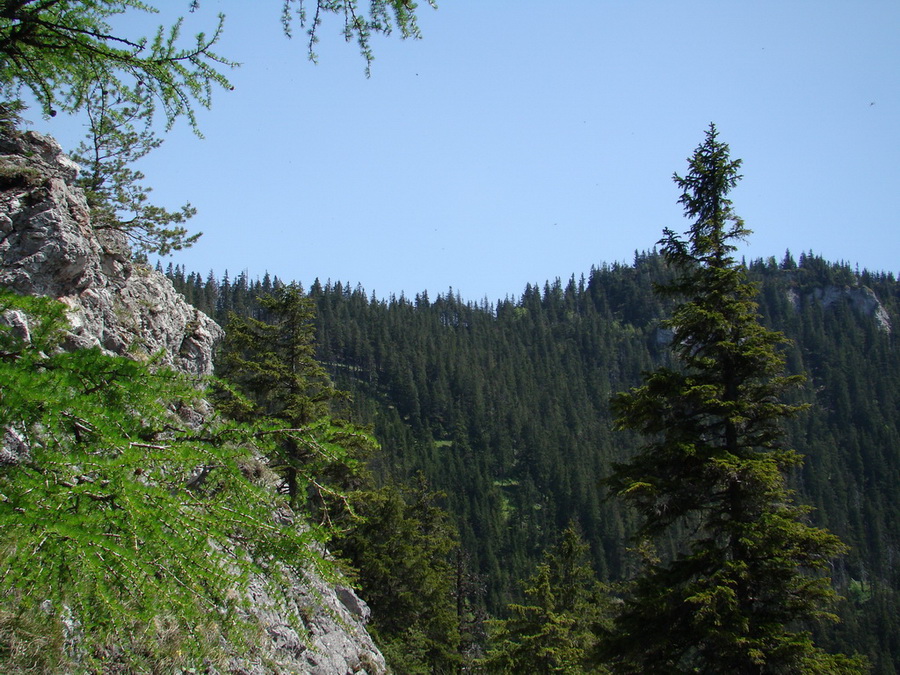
{"x": 504, "y": 408}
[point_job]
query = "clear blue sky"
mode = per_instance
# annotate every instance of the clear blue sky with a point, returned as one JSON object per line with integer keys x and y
{"x": 523, "y": 141}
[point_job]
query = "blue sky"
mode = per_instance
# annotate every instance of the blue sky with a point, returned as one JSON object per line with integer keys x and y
{"x": 523, "y": 141}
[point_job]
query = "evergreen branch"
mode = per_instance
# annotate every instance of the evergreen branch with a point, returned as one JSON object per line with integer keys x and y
{"x": 148, "y": 446}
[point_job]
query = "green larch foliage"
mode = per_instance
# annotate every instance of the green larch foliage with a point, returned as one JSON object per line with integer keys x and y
{"x": 60, "y": 50}
{"x": 71, "y": 56}
{"x": 382, "y": 17}
{"x": 748, "y": 576}
{"x": 128, "y": 533}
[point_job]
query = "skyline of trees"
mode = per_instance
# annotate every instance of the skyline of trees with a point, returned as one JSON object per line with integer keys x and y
{"x": 503, "y": 408}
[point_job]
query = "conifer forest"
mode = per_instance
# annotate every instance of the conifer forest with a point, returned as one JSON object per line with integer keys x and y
{"x": 685, "y": 463}
{"x": 503, "y": 411}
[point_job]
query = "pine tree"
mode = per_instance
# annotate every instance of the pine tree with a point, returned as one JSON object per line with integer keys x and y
{"x": 118, "y": 136}
{"x": 269, "y": 371}
{"x": 400, "y": 545}
{"x": 747, "y": 579}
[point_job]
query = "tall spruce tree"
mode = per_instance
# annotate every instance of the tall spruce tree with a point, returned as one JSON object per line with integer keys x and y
{"x": 271, "y": 371}
{"x": 748, "y": 577}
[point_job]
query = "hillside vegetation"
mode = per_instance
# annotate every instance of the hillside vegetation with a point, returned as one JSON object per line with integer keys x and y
{"x": 505, "y": 408}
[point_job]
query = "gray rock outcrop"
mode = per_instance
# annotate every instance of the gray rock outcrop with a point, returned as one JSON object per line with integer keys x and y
{"x": 336, "y": 643}
{"x": 48, "y": 247}
{"x": 861, "y": 298}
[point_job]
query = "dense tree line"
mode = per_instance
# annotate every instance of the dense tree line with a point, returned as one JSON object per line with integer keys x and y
{"x": 396, "y": 538}
{"x": 504, "y": 407}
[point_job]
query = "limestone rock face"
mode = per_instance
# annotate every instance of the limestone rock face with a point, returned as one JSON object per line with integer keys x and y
{"x": 48, "y": 247}
{"x": 337, "y": 642}
{"x": 861, "y": 298}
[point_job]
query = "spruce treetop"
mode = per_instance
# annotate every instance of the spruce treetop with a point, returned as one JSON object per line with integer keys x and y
{"x": 748, "y": 574}
{"x": 712, "y": 175}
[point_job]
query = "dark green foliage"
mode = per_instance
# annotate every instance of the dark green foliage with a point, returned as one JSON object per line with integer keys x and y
{"x": 271, "y": 360}
{"x": 269, "y": 372}
{"x": 504, "y": 407}
{"x": 397, "y": 540}
{"x": 556, "y": 632}
{"x": 483, "y": 404}
{"x": 128, "y": 533}
{"x": 742, "y": 589}
{"x": 402, "y": 546}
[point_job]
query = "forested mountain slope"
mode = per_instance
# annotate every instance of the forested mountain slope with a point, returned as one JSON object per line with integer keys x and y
{"x": 506, "y": 408}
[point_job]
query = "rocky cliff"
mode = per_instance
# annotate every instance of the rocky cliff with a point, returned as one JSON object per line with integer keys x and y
{"x": 861, "y": 298}
{"x": 48, "y": 247}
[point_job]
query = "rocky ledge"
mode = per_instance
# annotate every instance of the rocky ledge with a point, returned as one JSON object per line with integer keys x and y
{"x": 48, "y": 247}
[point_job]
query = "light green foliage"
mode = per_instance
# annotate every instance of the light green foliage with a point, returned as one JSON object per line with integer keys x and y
{"x": 748, "y": 578}
{"x": 556, "y": 631}
{"x": 383, "y": 17}
{"x": 118, "y": 136}
{"x": 69, "y": 56}
{"x": 61, "y": 49}
{"x": 128, "y": 531}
